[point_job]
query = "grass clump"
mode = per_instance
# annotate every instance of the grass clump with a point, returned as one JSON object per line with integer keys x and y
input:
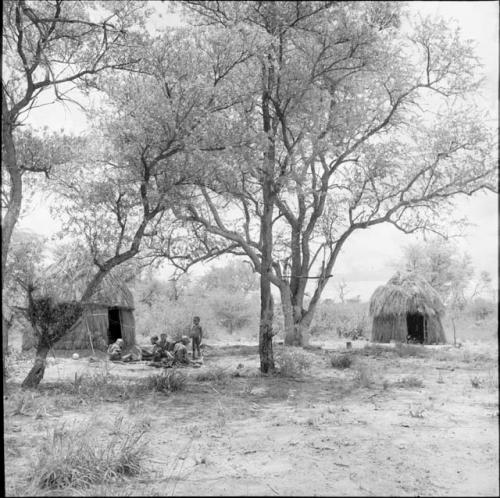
{"x": 341, "y": 361}
{"x": 291, "y": 362}
{"x": 212, "y": 374}
{"x": 409, "y": 382}
{"x": 80, "y": 459}
{"x": 166, "y": 381}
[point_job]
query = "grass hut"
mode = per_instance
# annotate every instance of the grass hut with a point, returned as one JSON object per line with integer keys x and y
{"x": 108, "y": 314}
{"x": 407, "y": 308}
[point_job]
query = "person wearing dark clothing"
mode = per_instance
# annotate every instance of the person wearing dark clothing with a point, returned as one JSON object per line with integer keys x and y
{"x": 196, "y": 336}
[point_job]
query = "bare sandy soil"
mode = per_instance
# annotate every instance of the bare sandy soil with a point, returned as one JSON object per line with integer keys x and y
{"x": 330, "y": 432}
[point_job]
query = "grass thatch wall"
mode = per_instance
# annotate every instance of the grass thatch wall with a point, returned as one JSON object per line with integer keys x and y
{"x": 435, "y": 330}
{"x": 386, "y": 328}
{"x": 402, "y": 295}
{"x": 128, "y": 327}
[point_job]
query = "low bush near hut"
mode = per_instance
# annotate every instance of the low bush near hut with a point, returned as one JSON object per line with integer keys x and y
{"x": 79, "y": 459}
{"x": 291, "y": 363}
{"x": 341, "y": 361}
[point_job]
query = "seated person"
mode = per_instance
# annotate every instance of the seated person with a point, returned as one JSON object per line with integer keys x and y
{"x": 157, "y": 348}
{"x": 115, "y": 350}
{"x": 163, "y": 341}
{"x": 147, "y": 353}
{"x": 180, "y": 350}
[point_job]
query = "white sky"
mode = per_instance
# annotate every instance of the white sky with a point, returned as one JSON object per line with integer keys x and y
{"x": 368, "y": 257}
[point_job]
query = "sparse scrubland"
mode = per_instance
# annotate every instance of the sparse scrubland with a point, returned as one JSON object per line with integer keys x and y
{"x": 376, "y": 419}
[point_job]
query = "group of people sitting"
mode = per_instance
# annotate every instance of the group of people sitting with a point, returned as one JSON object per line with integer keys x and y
{"x": 164, "y": 349}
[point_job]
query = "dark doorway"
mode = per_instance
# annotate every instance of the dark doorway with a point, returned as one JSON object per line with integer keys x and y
{"x": 114, "y": 327}
{"x": 415, "y": 324}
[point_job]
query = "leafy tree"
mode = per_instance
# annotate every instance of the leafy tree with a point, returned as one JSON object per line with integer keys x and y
{"x": 50, "y": 45}
{"x": 338, "y": 139}
{"x": 228, "y": 290}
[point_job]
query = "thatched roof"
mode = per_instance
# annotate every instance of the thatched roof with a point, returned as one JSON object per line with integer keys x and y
{"x": 66, "y": 281}
{"x": 407, "y": 293}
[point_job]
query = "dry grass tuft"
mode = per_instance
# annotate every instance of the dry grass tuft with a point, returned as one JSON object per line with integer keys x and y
{"x": 80, "y": 459}
{"x": 410, "y": 381}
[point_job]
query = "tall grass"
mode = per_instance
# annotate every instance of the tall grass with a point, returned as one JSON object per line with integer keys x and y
{"x": 80, "y": 458}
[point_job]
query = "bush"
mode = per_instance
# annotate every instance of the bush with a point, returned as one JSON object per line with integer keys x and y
{"x": 481, "y": 308}
{"x": 291, "y": 362}
{"x": 341, "y": 361}
{"x": 80, "y": 459}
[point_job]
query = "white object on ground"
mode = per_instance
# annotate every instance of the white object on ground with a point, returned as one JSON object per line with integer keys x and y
{"x": 75, "y": 356}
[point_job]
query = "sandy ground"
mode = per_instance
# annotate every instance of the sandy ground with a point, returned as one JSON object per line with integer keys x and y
{"x": 323, "y": 434}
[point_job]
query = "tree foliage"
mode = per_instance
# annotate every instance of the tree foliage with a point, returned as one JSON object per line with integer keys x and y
{"x": 442, "y": 264}
{"x": 340, "y": 134}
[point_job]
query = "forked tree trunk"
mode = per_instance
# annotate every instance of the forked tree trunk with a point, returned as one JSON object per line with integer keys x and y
{"x": 266, "y": 330}
{"x": 35, "y": 375}
{"x": 296, "y": 324}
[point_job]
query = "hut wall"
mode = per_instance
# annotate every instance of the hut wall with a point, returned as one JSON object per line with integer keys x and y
{"x": 435, "y": 331}
{"x": 127, "y": 322}
{"x": 93, "y": 324}
{"x": 389, "y": 327}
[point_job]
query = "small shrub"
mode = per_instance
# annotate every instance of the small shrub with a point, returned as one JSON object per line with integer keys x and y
{"x": 409, "y": 381}
{"x": 476, "y": 382}
{"x": 79, "y": 459}
{"x": 416, "y": 412}
{"x": 341, "y": 361}
{"x": 292, "y": 362}
{"x": 481, "y": 309}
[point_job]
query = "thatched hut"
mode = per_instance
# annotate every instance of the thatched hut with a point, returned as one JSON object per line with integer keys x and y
{"x": 407, "y": 308}
{"x": 107, "y": 316}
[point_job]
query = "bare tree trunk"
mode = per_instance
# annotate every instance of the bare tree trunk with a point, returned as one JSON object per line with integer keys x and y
{"x": 35, "y": 375}
{"x": 266, "y": 298}
{"x": 11, "y": 216}
{"x": 5, "y": 348}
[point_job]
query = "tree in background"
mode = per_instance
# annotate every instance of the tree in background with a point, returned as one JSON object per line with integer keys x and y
{"x": 228, "y": 289}
{"x": 338, "y": 139}
{"x": 441, "y": 263}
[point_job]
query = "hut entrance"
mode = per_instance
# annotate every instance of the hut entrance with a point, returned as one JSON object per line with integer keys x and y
{"x": 115, "y": 327}
{"x": 415, "y": 324}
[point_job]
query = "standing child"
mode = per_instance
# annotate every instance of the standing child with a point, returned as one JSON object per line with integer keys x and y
{"x": 196, "y": 336}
